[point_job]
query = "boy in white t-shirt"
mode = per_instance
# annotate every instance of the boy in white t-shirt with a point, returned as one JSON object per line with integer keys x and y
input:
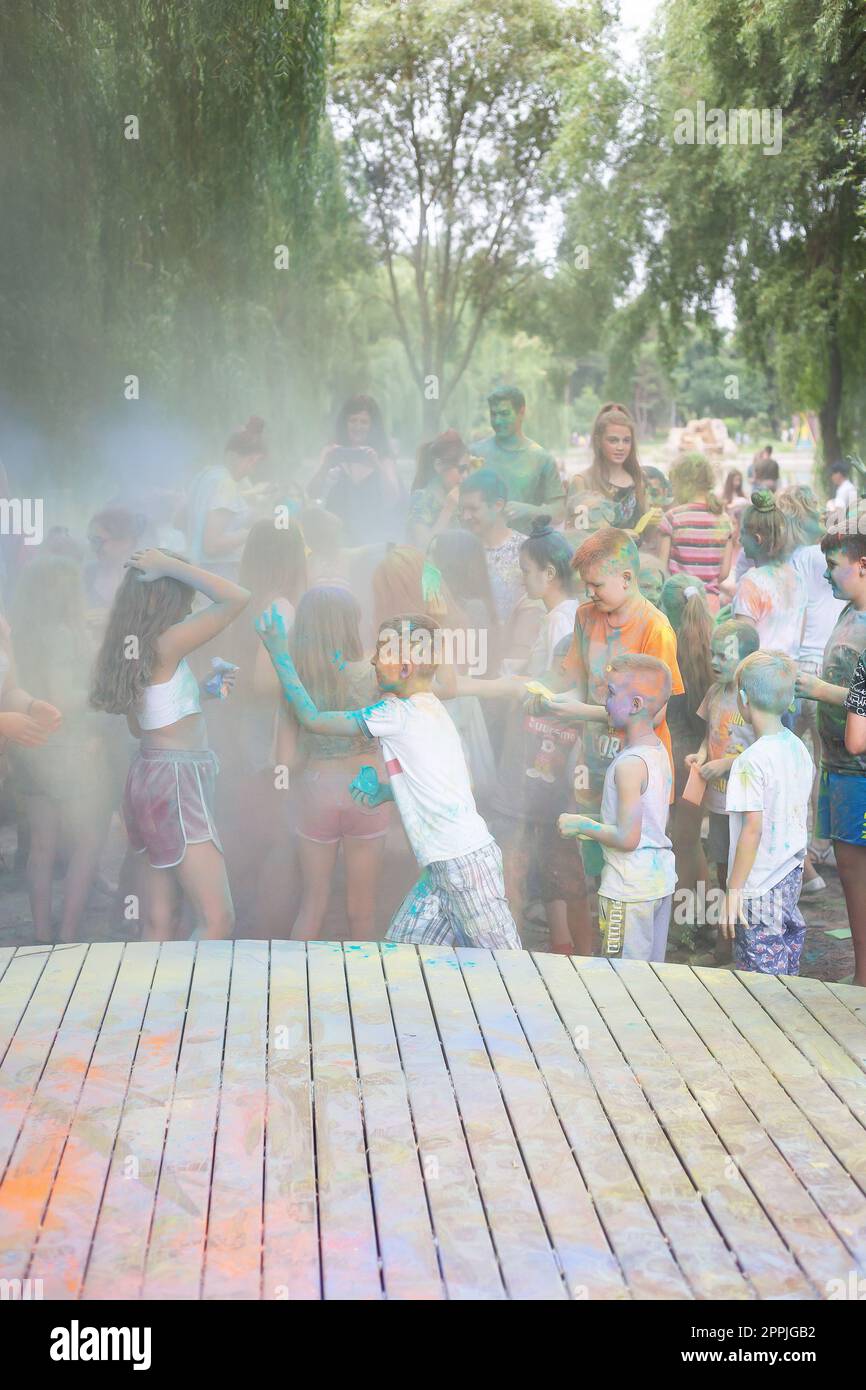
{"x": 460, "y": 898}
{"x": 767, "y": 801}
{"x": 639, "y": 874}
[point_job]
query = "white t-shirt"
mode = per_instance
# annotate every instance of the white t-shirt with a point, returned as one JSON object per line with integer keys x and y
{"x": 774, "y": 776}
{"x": 556, "y": 624}
{"x": 429, "y": 777}
{"x": 648, "y": 872}
{"x": 822, "y": 609}
{"x": 774, "y": 597}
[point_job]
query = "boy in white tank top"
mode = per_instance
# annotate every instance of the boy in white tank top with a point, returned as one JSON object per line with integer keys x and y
{"x": 639, "y": 877}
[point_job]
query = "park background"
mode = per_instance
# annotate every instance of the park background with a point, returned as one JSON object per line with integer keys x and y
{"x": 262, "y": 206}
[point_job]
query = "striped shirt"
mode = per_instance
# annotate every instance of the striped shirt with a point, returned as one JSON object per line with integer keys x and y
{"x": 698, "y": 540}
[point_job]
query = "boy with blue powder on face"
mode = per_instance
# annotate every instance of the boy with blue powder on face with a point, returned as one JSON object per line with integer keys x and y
{"x": 639, "y": 876}
{"x": 460, "y": 897}
{"x": 767, "y": 801}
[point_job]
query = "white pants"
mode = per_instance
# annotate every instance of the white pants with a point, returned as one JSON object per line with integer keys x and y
{"x": 634, "y": 931}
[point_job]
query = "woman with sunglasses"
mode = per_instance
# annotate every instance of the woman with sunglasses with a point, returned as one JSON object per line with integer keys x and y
{"x": 442, "y": 464}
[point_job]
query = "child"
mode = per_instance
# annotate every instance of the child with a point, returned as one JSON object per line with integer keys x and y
{"x": 772, "y": 595}
{"x": 616, "y": 620}
{"x": 460, "y": 898}
{"x": 326, "y": 649}
{"x": 639, "y": 877}
{"x": 696, "y": 535}
{"x": 727, "y": 733}
{"x": 842, "y": 789}
{"x": 651, "y": 579}
{"x": 533, "y": 783}
{"x": 766, "y": 802}
{"x": 615, "y": 471}
{"x": 684, "y": 602}
{"x": 142, "y": 671}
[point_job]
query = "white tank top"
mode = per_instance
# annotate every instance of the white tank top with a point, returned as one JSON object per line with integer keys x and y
{"x": 648, "y": 872}
{"x": 171, "y": 700}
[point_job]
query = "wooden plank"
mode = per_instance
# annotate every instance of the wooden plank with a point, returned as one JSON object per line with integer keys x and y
{"x": 64, "y": 1241}
{"x": 28, "y": 1049}
{"x": 466, "y": 1251}
{"x": 632, "y": 1230}
{"x": 832, "y": 1014}
{"x": 410, "y": 1268}
{"x": 233, "y": 1253}
{"x": 529, "y": 1266}
{"x": 116, "y": 1266}
{"x": 831, "y": 1061}
{"x": 852, "y": 996}
{"x": 350, "y": 1257}
{"x": 291, "y": 1217}
{"x": 749, "y": 1196}
{"x": 175, "y": 1254}
{"x": 16, "y": 987}
{"x": 6, "y": 954}
{"x": 813, "y": 1120}
{"x": 32, "y": 1168}
{"x": 698, "y": 1247}
{"x": 666, "y": 1186}
{"x": 572, "y": 1222}
{"x": 819, "y": 1250}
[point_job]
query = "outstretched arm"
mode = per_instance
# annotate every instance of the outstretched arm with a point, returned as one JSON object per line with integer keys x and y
{"x": 346, "y": 723}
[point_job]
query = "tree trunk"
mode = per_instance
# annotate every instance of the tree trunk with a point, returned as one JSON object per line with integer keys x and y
{"x": 831, "y": 447}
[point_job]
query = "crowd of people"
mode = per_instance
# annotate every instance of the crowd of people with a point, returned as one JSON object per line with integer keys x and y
{"x": 577, "y": 700}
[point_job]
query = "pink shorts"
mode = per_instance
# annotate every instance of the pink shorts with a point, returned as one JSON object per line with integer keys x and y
{"x": 168, "y": 803}
{"x": 326, "y": 813}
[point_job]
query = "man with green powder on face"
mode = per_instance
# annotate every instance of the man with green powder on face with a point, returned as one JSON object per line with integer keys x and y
{"x": 529, "y": 471}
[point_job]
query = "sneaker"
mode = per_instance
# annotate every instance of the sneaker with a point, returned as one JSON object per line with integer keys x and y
{"x": 813, "y": 885}
{"x": 823, "y": 856}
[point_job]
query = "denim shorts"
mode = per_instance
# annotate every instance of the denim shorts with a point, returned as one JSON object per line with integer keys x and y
{"x": 841, "y": 813}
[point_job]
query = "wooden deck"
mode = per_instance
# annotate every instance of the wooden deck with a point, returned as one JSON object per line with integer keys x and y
{"x": 266, "y": 1120}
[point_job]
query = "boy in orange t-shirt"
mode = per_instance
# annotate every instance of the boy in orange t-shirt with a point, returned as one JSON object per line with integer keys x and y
{"x": 616, "y": 620}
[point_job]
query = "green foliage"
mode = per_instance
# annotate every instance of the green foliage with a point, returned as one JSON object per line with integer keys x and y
{"x": 447, "y": 116}
{"x": 156, "y": 255}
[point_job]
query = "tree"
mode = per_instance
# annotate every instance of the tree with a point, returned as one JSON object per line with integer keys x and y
{"x": 155, "y": 154}
{"x": 446, "y": 117}
{"x": 783, "y": 233}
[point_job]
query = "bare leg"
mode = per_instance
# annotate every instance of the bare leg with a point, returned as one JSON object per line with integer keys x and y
{"x": 851, "y": 863}
{"x": 363, "y": 861}
{"x": 85, "y": 826}
{"x": 159, "y": 892}
{"x": 686, "y": 838}
{"x": 317, "y": 870}
{"x": 202, "y": 876}
{"x": 43, "y": 819}
{"x": 557, "y": 924}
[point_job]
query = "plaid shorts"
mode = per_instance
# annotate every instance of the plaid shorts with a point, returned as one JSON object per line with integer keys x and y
{"x": 458, "y": 902}
{"x": 773, "y": 941}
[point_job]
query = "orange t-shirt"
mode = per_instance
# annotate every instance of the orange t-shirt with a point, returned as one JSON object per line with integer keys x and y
{"x": 595, "y": 643}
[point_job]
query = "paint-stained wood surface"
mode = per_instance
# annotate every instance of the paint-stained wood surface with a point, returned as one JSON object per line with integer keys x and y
{"x": 278, "y": 1121}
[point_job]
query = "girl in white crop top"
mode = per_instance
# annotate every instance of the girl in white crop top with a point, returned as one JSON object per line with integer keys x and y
{"x": 142, "y": 671}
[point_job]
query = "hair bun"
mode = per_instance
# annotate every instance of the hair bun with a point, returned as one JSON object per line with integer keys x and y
{"x": 541, "y": 526}
{"x": 764, "y": 501}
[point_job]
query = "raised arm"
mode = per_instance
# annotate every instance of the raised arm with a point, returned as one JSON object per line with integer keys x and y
{"x": 228, "y": 600}
{"x": 345, "y": 723}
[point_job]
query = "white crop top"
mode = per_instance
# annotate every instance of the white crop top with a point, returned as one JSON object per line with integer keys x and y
{"x": 166, "y": 703}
